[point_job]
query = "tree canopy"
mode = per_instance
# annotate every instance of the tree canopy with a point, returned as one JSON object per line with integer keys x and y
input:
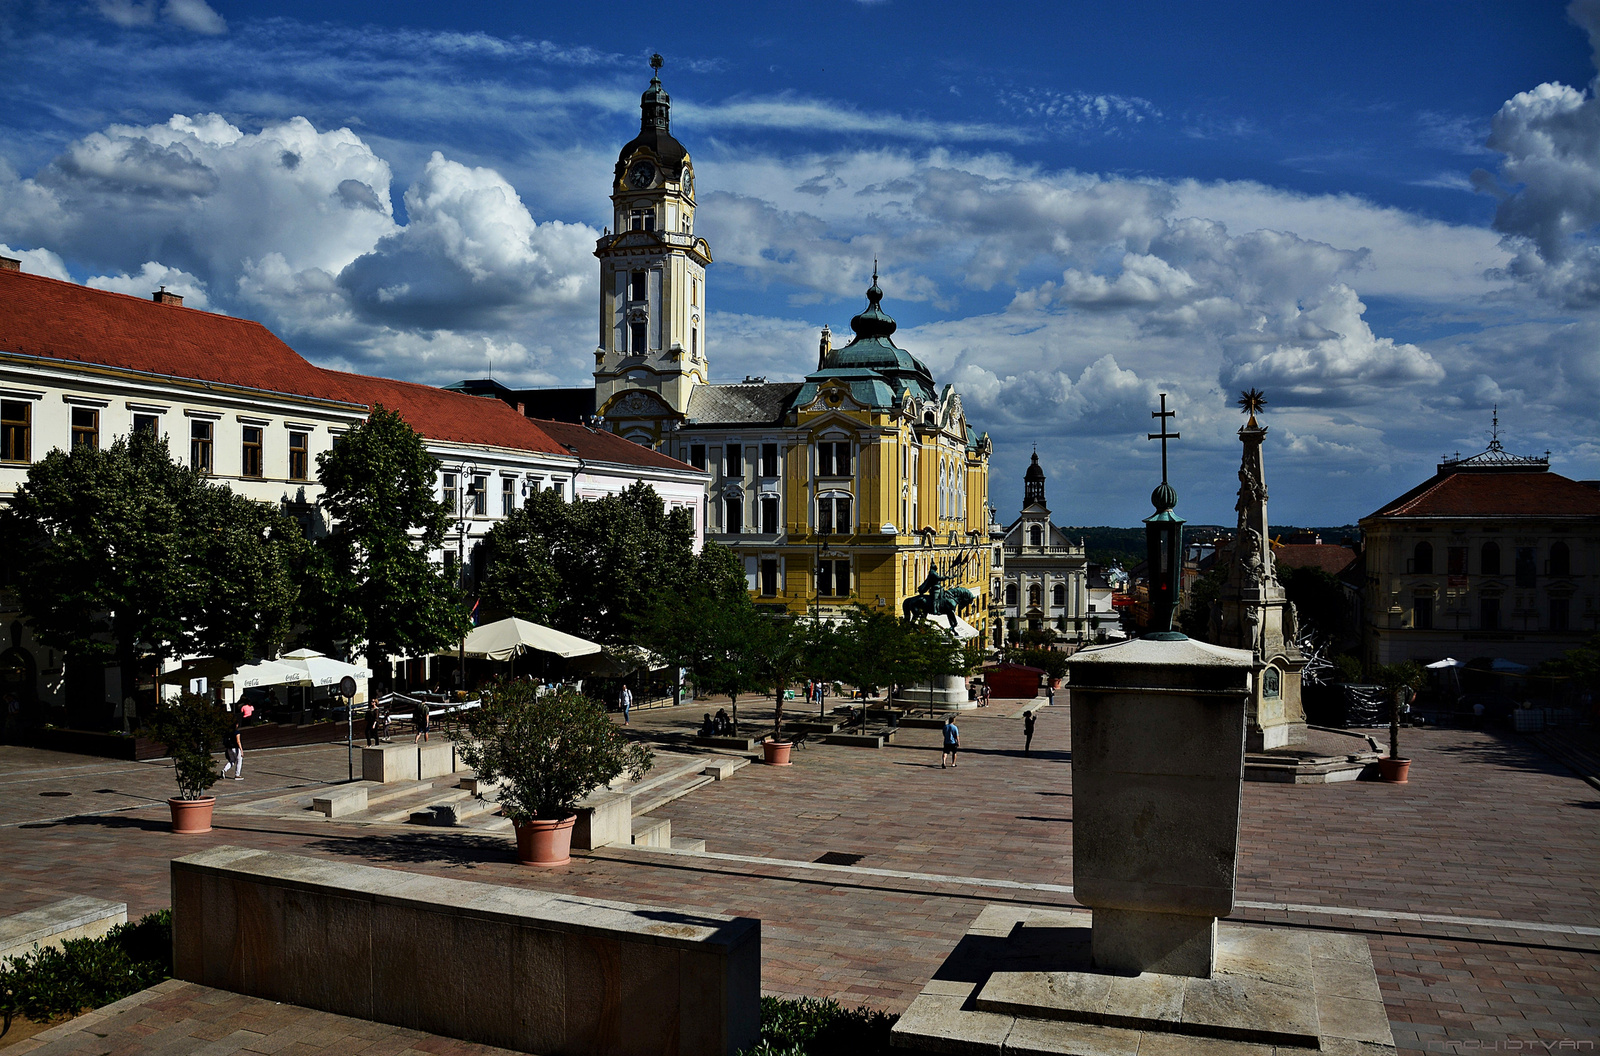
{"x": 595, "y": 568}
{"x": 371, "y": 578}
{"x": 130, "y": 554}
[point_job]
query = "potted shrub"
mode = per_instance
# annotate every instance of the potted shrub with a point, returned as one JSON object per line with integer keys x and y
{"x": 192, "y": 728}
{"x": 547, "y": 753}
{"x": 1399, "y": 682}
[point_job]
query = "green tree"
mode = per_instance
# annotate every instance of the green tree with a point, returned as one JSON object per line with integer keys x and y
{"x": 871, "y": 648}
{"x": 371, "y": 579}
{"x": 687, "y": 626}
{"x": 1581, "y": 665}
{"x": 594, "y": 568}
{"x": 129, "y": 555}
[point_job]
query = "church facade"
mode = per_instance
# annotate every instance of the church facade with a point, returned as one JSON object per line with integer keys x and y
{"x": 1046, "y": 582}
{"x": 848, "y": 486}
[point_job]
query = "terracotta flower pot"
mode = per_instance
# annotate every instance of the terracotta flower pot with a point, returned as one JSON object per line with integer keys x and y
{"x": 545, "y": 841}
{"x": 776, "y": 753}
{"x": 190, "y": 816}
{"x": 1395, "y": 770}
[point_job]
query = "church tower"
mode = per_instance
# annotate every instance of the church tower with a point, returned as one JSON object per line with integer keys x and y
{"x": 652, "y": 281}
{"x": 1033, "y": 486}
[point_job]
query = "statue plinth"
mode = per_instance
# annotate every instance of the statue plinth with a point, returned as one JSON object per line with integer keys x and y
{"x": 1157, "y": 779}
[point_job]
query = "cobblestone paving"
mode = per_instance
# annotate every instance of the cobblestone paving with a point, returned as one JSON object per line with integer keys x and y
{"x": 1490, "y": 836}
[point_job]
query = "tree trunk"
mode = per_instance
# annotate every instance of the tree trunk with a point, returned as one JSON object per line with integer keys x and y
{"x": 777, "y": 715}
{"x": 1394, "y": 724}
{"x": 733, "y": 702}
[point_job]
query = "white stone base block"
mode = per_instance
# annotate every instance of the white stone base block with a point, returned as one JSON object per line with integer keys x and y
{"x": 1024, "y": 981}
{"x": 945, "y": 694}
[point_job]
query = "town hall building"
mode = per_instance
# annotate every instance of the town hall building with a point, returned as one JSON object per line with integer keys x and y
{"x": 848, "y": 486}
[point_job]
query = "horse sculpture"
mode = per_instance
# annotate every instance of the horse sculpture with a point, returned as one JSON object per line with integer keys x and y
{"x": 947, "y": 602}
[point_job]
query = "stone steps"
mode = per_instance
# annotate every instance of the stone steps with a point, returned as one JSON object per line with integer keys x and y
{"x": 1321, "y": 770}
{"x": 663, "y": 794}
{"x": 653, "y": 832}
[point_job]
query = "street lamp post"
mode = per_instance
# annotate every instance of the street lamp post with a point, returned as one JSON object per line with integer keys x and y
{"x": 469, "y": 471}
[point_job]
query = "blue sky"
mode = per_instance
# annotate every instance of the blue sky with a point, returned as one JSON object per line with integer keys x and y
{"x": 1382, "y": 214}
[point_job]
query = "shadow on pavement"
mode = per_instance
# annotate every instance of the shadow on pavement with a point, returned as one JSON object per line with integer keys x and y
{"x": 416, "y": 849}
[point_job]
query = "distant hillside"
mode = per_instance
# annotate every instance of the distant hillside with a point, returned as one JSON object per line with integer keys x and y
{"x": 1125, "y": 546}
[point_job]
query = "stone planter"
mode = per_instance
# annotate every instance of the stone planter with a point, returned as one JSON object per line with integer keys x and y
{"x": 545, "y": 841}
{"x": 191, "y": 816}
{"x": 1396, "y": 771}
{"x": 776, "y": 753}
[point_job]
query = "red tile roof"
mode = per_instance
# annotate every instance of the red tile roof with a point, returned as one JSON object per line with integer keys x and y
{"x": 62, "y": 320}
{"x": 1505, "y": 493}
{"x": 1329, "y": 557}
{"x": 443, "y": 415}
{"x": 598, "y": 445}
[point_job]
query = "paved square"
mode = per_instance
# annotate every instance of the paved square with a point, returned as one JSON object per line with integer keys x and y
{"x": 1474, "y": 886}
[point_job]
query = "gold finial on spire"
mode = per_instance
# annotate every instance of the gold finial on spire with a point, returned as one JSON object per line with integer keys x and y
{"x": 1252, "y": 400}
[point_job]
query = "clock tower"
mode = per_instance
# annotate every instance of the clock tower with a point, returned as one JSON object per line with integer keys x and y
{"x": 652, "y": 349}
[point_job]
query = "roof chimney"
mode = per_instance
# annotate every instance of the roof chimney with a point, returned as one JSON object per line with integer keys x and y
{"x": 10, "y": 264}
{"x": 161, "y": 296}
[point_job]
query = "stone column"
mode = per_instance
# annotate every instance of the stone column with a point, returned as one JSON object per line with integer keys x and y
{"x": 1158, "y": 730}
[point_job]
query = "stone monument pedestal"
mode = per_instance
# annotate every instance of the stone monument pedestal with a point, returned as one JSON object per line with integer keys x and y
{"x": 943, "y": 694}
{"x": 1158, "y": 737}
{"x": 1025, "y": 980}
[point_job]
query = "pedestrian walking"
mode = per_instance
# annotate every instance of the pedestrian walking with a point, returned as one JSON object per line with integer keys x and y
{"x": 234, "y": 753}
{"x": 1027, "y": 733}
{"x": 372, "y": 722}
{"x": 1049, "y": 692}
{"x": 952, "y": 743}
{"x": 627, "y": 702}
{"x": 421, "y": 720}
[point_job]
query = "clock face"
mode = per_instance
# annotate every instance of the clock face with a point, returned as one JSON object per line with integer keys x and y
{"x": 688, "y": 182}
{"x": 642, "y": 174}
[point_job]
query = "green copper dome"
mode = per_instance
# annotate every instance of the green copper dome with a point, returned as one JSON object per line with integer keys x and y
{"x": 873, "y": 349}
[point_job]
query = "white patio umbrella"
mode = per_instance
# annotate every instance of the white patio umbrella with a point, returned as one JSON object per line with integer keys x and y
{"x": 504, "y": 639}
{"x": 319, "y": 670}
{"x": 265, "y": 673}
{"x": 1448, "y": 661}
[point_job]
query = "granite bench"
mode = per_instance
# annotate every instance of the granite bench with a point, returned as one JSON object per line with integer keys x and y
{"x": 534, "y": 971}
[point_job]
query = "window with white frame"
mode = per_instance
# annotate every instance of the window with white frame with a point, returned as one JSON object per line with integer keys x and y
{"x": 833, "y": 579}
{"x": 833, "y": 459}
{"x": 833, "y": 514}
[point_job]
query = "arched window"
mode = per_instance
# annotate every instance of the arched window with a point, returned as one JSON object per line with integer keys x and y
{"x": 1035, "y": 536}
{"x": 1011, "y": 593}
{"x": 1560, "y": 559}
{"x": 1490, "y": 563}
{"x": 1035, "y": 595}
{"x": 1059, "y": 595}
{"x": 1422, "y": 560}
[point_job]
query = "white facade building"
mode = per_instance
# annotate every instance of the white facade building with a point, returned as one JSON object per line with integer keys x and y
{"x": 84, "y": 366}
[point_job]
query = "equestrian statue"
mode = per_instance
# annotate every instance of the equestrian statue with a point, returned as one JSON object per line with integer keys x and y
{"x": 933, "y": 598}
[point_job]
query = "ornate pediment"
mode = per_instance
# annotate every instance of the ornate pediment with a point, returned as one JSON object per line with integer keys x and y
{"x": 637, "y": 403}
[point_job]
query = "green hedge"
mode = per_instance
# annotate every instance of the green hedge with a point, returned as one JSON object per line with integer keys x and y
{"x": 809, "y": 1027}
{"x": 47, "y": 983}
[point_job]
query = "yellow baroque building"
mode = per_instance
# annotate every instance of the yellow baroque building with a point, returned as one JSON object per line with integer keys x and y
{"x": 849, "y": 486}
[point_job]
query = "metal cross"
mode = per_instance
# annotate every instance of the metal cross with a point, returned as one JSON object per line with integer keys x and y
{"x": 1163, "y": 414}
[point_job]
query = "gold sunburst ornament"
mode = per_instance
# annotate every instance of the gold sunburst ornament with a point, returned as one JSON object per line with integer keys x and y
{"x": 1252, "y": 400}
